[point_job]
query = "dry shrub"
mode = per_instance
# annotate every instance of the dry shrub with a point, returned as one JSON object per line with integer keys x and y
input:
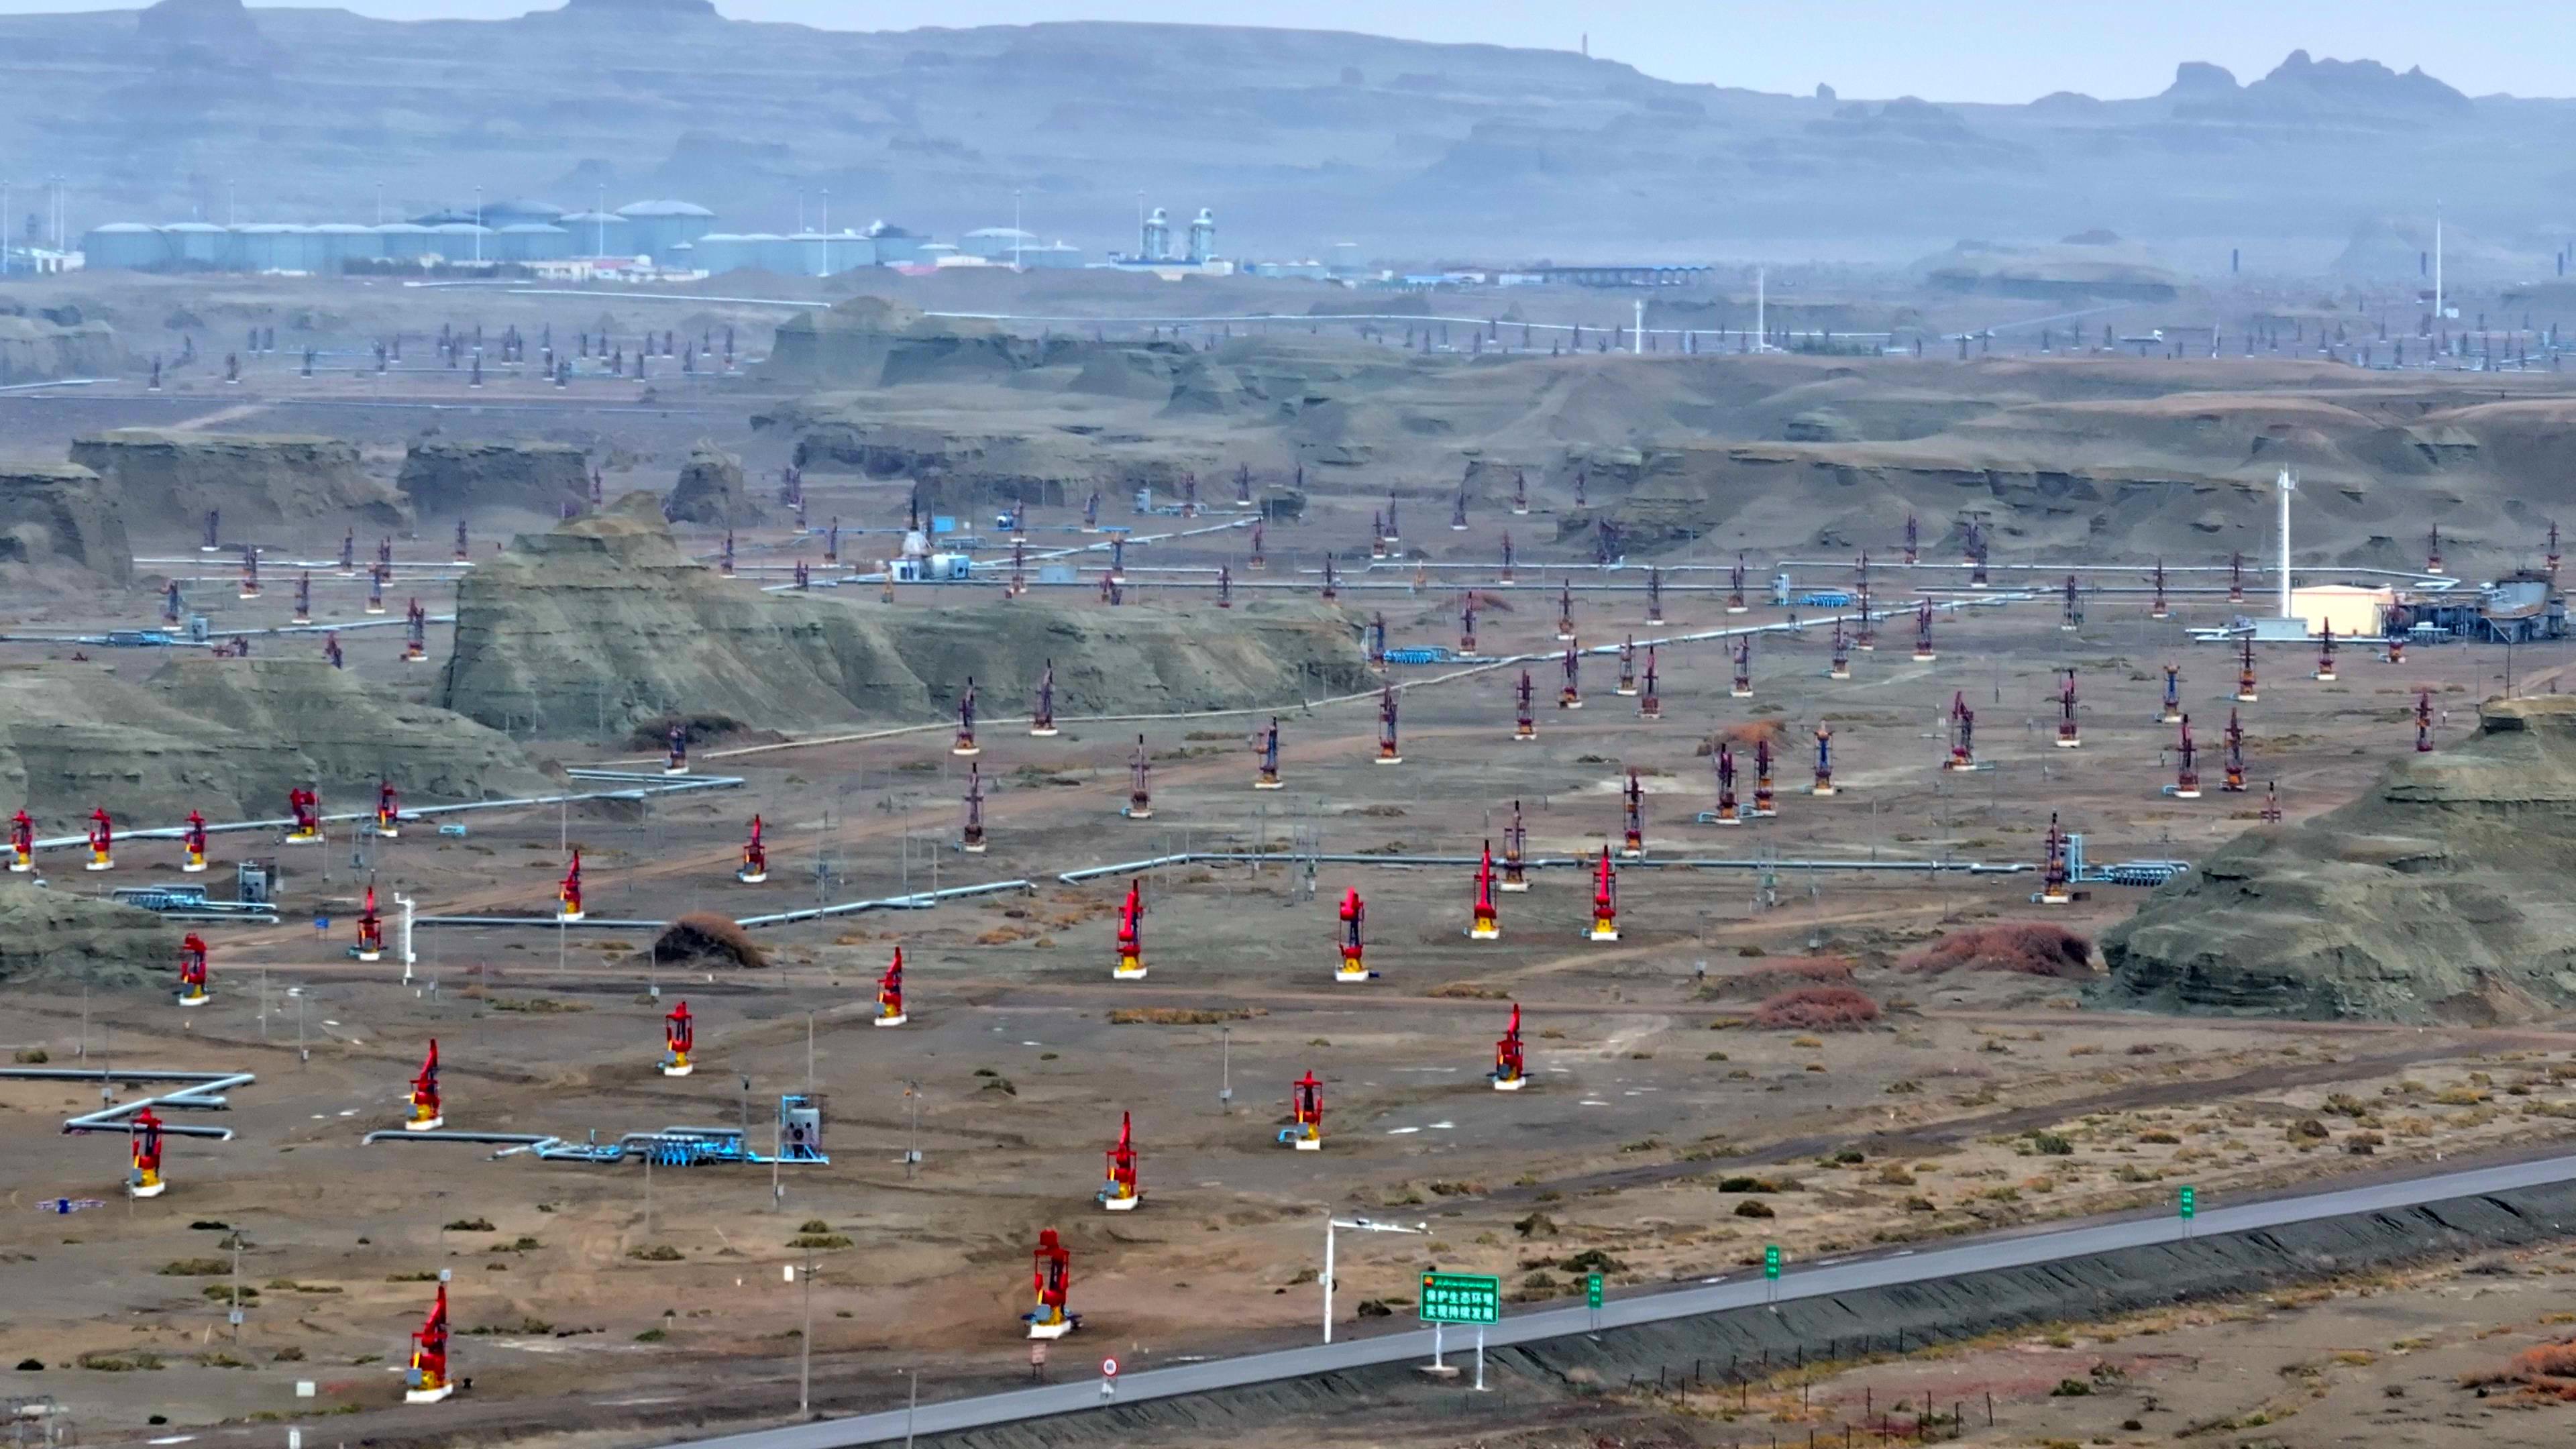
{"x": 702, "y": 938}
{"x": 1470, "y": 991}
{"x": 1744, "y": 735}
{"x": 1816, "y": 1008}
{"x": 2549, "y": 1370}
{"x": 2026, "y": 948}
{"x": 1182, "y": 1015}
{"x": 1783, "y": 974}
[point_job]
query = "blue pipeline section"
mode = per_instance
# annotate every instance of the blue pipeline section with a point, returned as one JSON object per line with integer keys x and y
{"x": 800, "y": 1143}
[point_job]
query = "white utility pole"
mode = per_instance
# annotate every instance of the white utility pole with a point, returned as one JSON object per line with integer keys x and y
{"x": 408, "y": 955}
{"x": 2437, "y": 261}
{"x": 478, "y": 226}
{"x": 1637, "y": 334}
{"x": 1761, "y": 318}
{"x": 1363, "y": 1225}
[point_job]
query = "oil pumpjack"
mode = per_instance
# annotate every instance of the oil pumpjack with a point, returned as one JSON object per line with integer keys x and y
{"x": 426, "y": 1382}
{"x": 1118, "y": 1194}
{"x": 1268, "y": 779}
{"x": 679, "y": 1035}
{"x": 1488, "y": 926}
{"x": 1511, "y": 1067}
{"x": 1131, "y": 935}
{"x": 569, "y": 892}
{"x": 143, "y": 1147}
{"x": 1605, "y": 900}
{"x": 890, "y": 993}
{"x": 1305, "y": 1131}
{"x": 192, "y": 837}
{"x": 1515, "y": 854}
{"x": 1042, "y": 719}
{"x": 426, "y": 1114}
{"x": 371, "y": 930}
{"x": 1824, "y": 786}
{"x": 192, "y": 971}
{"x": 102, "y": 840}
{"x": 305, "y": 805}
{"x": 1354, "y": 917}
{"x": 22, "y": 843}
{"x": 755, "y": 858}
{"x": 388, "y": 811}
{"x": 675, "y": 754}
{"x": 1051, "y": 1280}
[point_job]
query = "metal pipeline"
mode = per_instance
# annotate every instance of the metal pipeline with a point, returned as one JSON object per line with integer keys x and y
{"x": 642, "y": 786}
{"x": 911, "y": 901}
{"x": 1576, "y": 862}
{"x": 205, "y": 1093}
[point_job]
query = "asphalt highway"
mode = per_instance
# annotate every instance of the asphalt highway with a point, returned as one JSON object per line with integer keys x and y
{"x": 1799, "y": 1281}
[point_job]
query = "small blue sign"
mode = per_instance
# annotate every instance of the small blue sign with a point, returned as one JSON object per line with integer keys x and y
{"x": 321, "y": 923}
{"x": 941, "y": 523}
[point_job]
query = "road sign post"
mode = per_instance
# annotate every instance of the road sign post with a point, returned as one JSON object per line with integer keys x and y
{"x": 1461, "y": 1298}
{"x": 2187, "y": 1203}
{"x": 1592, "y": 1296}
{"x": 1109, "y": 1378}
{"x": 1771, "y": 1272}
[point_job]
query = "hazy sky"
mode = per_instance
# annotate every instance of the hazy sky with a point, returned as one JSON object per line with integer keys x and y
{"x": 1965, "y": 50}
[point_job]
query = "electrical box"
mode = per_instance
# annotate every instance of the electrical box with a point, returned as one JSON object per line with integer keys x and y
{"x": 252, "y": 882}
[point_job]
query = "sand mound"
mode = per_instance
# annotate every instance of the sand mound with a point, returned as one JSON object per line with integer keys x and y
{"x": 2027, "y": 948}
{"x": 602, "y": 623}
{"x": 229, "y": 737}
{"x": 701, "y": 939}
{"x": 171, "y": 479}
{"x": 2439, "y": 895}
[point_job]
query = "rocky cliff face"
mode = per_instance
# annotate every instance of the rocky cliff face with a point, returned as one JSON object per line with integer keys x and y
{"x": 602, "y": 624}
{"x": 2439, "y": 895}
{"x": 711, "y": 490}
{"x": 62, "y": 513}
{"x": 444, "y": 478}
{"x": 167, "y": 479}
{"x": 229, "y": 737}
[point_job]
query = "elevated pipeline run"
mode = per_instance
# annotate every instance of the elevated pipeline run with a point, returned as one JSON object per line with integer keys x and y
{"x": 910, "y": 901}
{"x": 199, "y": 1092}
{"x": 625, "y": 785}
{"x": 669, "y": 1147}
{"x": 1575, "y": 862}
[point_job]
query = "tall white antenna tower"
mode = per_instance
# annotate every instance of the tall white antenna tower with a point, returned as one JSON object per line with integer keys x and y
{"x": 2437, "y": 260}
{"x": 2288, "y": 485}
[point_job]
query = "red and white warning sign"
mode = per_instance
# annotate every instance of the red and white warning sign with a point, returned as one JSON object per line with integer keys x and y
{"x": 1109, "y": 1368}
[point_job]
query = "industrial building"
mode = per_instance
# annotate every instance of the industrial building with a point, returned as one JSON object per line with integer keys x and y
{"x": 509, "y": 231}
{"x": 1154, "y": 247}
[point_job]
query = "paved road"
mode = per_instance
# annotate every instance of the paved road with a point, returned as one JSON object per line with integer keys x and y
{"x": 1982, "y": 1255}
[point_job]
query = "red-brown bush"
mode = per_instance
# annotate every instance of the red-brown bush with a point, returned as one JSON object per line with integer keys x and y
{"x": 2549, "y": 1369}
{"x": 1767, "y": 977}
{"x": 1743, "y": 734}
{"x": 2028, "y": 948}
{"x": 702, "y": 938}
{"x": 1816, "y": 1008}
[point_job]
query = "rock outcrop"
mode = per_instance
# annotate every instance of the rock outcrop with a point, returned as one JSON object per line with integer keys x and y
{"x": 602, "y": 624}
{"x": 2438, "y": 896}
{"x": 62, "y": 513}
{"x": 444, "y": 478}
{"x": 229, "y": 737}
{"x": 62, "y": 936}
{"x": 711, "y": 490}
{"x": 172, "y": 479}
{"x": 38, "y": 348}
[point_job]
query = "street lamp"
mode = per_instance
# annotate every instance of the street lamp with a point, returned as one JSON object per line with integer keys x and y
{"x": 1362, "y": 1225}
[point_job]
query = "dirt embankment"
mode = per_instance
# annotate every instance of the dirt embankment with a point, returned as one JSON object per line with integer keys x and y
{"x": 45, "y": 932}
{"x": 603, "y": 623}
{"x": 172, "y": 479}
{"x": 2438, "y": 895}
{"x": 229, "y": 738}
{"x": 55, "y": 342}
{"x": 62, "y": 513}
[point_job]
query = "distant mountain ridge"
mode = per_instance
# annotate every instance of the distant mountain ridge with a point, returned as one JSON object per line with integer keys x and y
{"x": 1297, "y": 139}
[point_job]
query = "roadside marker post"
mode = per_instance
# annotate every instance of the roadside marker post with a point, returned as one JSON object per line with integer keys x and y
{"x": 1592, "y": 1297}
{"x": 1771, "y": 1272}
{"x": 2187, "y": 1203}
{"x": 1109, "y": 1378}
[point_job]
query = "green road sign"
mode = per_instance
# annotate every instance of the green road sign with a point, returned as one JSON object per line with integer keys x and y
{"x": 1461, "y": 1298}
{"x": 1592, "y": 1290}
{"x": 1770, "y": 1260}
{"x": 2189, "y": 1200}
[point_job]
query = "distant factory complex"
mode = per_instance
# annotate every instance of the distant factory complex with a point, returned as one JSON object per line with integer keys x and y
{"x": 655, "y": 238}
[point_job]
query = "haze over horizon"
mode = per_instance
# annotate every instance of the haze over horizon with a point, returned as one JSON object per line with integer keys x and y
{"x": 2013, "y": 52}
